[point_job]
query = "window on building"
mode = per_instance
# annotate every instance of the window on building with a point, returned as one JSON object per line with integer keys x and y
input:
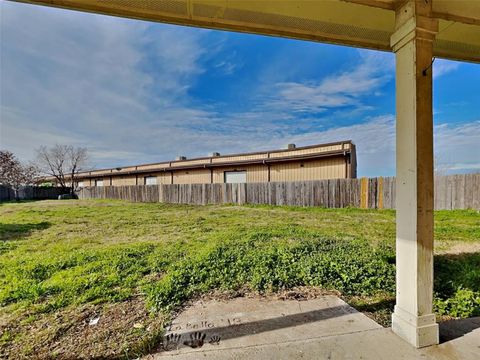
{"x": 80, "y": 184}
{"x": 235, "y": 177}
{"x": 150, "y": 180}
{"x": 98, "y": 182}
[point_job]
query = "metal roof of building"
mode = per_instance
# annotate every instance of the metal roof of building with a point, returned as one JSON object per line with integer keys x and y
{"x": 261, "y": 157}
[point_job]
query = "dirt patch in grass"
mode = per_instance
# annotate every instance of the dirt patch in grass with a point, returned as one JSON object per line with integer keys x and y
{"x": 121, "y": 330}
{"x": 461, "y": 248}
{"x": 126, "y": 330}
{"x": 379, "y": 308}
{"x": 299, "y": 293}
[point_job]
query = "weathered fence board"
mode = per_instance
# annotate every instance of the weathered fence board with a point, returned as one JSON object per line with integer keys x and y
{"x": 451, "y": 192}
{"x": 6, "y": 193}
{"x": 30, "y": 193}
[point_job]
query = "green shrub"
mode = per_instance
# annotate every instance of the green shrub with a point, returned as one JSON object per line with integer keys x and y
{"x": 464, "y": 303}
{"x": 106, "y": 251}
{"x": 457, "y": 284}
{"x": 263, "y": 263}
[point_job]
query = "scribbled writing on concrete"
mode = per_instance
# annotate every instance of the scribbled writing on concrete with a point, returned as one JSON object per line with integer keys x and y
{"x": 204, "y": 324}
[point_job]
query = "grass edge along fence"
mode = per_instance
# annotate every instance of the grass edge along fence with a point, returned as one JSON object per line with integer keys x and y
{"x": 451, "y": 192}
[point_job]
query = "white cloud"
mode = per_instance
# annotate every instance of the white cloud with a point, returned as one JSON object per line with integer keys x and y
{"x": 345, "y": 89}
{"x": 442, "y": 67}
{"x": 338, "y": 90}
{"x": 97, "y": 81}
{"x": 119, "y": 87}
{"x": 375, "y": 141}
{"x": 228, "y": 67}
{"x": 457, "y": 147}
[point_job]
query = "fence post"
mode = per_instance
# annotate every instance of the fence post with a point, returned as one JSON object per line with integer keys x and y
{"x": 364, "y": 193}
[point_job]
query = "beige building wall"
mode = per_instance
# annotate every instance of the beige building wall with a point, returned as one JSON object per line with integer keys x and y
{"x": 332, "y": 166}
{"x": 194, "y": 176}
{"x": 164, "y": 178}
{"x": 91, "y": 182}
{"x": 329, "y": 168}
{"x": 122, "y": 180}
{"x": 255, "y": 173}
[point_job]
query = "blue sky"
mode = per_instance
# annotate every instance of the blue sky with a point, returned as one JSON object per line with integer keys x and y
{"x": 135, "y": 92}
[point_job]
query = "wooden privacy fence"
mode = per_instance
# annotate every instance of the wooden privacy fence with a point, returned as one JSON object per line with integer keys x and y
{"x": 6, "y": 193}
{"x": 451, "y": 192}
{"x": 30, "y": 193}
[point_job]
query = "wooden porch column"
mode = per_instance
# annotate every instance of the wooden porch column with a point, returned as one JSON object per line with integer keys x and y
{"x": 412, "y": 42}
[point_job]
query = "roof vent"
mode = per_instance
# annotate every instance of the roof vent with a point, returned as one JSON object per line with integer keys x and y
{"x": 215, "y": 154}
{"x": 291, "y": 146}
{"x": 181, "y": 158}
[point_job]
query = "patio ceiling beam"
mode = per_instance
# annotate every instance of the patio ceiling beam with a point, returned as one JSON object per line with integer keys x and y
{"x": 463, "y": 11}
{"x": 360, "y": 23}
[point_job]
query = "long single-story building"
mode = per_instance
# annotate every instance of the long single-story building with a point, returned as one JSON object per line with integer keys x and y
{"x": 315, "y": 162}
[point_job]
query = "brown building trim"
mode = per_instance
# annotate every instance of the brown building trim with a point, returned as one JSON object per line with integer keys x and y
{"x": 346, "y": 166}
{"x": 353, "y": 161}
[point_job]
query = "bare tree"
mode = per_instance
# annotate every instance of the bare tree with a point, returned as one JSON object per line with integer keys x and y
{"x": 63, "y": 162}
{"x": 15, "y": 174}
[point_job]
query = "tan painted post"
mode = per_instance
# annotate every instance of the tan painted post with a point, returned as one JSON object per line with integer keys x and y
{"x": 364, "y": 193}
{"x": 412, "y": 42}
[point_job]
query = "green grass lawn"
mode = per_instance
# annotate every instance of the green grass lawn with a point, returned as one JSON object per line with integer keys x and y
{"x": 65, "y": 261}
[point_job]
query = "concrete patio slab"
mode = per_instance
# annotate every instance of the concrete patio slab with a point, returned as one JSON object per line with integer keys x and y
{"x": 322, "y": 328}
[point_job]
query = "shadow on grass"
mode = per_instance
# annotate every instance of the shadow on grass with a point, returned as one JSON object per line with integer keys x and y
{"x": 10, "y": 232}
{"x": 380, "y": 310}
{"x": 456, "y": 287}
{"x": 381, "y": 305}
{"x": 456, "y": 271}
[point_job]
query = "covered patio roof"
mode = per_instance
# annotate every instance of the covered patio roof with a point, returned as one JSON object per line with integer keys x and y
{"x": 363, "y": 23}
